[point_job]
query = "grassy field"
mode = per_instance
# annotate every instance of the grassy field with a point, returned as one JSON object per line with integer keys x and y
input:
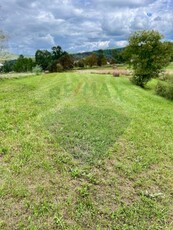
{"x": 84, "y": 152}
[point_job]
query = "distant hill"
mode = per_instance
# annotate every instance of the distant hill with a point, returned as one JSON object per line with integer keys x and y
{"x": 108, "y": 53}
{"x": 12, "y": 57}
{"x": 7, "y": 57}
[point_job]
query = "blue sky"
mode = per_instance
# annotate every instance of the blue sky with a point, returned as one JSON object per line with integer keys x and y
{"x": 80, "y": 25}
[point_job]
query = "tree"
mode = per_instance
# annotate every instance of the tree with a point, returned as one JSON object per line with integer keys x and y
{"x": 49, "y": 60}
{"x": 23, "y": 64}
{"x": 80, "y": 63}
{"x": 171, "y": 49}
{"x": 147, "y": 54}
{"x": 8, "y": 66}
{"x": 43, "y": 58}
{"x": 66, "y": 61}
{"x": 52, "y": 67}
{"x": 101, "y": 60}
{"x": 57, "y": 52}
{"x": 117, "y": 56}
{"x": 91, "y": 60}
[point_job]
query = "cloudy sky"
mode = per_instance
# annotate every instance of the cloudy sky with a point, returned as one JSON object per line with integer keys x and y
{"x": 80, "y": 25}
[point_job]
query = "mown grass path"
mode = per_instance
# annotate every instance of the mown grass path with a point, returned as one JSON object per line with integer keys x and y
{"x": 84, "y": 151}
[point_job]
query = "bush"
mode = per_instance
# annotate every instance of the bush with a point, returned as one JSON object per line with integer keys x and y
{"x": 165, "y": 89}
{"x": 37, "y": 69}
{"x": 81, "y": 64}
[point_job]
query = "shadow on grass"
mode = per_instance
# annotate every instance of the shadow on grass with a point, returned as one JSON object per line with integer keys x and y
{"x": 87, "y": 132}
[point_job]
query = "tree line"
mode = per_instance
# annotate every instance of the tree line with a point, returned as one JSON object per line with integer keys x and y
{"x": 46, "y": 60}
{"x": 58, "y": 60}
{"x": 146, "y": 53}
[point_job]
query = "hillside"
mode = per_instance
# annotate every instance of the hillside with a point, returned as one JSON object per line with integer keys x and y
{"x": 82, "y": 151}
{"x": 8, "y": 57}
{"x": 108, "y": 53}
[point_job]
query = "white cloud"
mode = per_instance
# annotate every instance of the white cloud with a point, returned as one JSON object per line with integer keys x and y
{"x": 103, "y": 44}
{"x": 81, "y": 24}
{"x": 49, "y": 38}
{"x": 140, "y": 22}
{"x": 121, "y": 43}
{"x": 44, "y": 17}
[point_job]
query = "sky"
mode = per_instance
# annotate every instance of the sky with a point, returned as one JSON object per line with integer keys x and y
{"x": 80, "y": 25}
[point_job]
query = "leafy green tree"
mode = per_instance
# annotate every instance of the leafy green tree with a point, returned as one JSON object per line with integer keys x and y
{"x": 23, "y": 64}
{"x": 57, "y": 52}
{"x": 49, "y": 60}
{"x": 117, "y": 56}
{"x": 170, "y": 44}
{"x": 91, "y": 60}
{"x": 43, "y": 58}
{"x": 101, "y": 60}
{"x": 147, "y": 54}
{"x": 80, "y": 63}
{"x": 66, "y": 61}
{"x": 8, "y": 66}
{"x": 52, "y": 67}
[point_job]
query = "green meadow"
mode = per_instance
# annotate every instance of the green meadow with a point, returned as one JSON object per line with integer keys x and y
{"x": 82, "y": 151}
